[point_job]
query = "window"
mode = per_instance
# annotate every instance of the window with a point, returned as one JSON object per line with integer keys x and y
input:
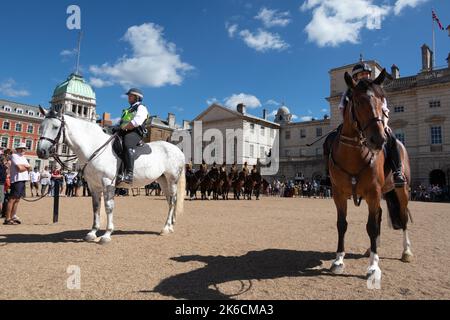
{"x": 263, "y": 131}
{"x": 4, "y": 143}
{"x": 252, "y": 128}
{"x": 64, "y": 149}
{"x": 6, "y": 125}
{"x": 30, "y": 128}
{"x": 400, "y": 135}
{"x": 272, "y": 133}
{"x": 436, "y": 135}
{"x": 302, "y": 133}
{"x": 74, "y": 108}
{"x": 37, "y": 164}
{"x": 252, "y": 151}
{"x": 288, "y": 135}
{"x": 7, "y": 108}
{"x": 434, "y": 104}
{"x": 398, "y": 109}
{"x": 18, "y": 127}
{"x": 29, "y": 144}
{"x": 31, "y": 113}
{"x": 262, "y": 152}
{"x": 19, "y": 111}
{"x": 17, "y": 141}
{"x": 40, "y": 130}
{"x": 318, "y": 132}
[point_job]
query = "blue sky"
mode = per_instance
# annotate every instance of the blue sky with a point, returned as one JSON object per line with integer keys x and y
{"x": 184, "y": 54}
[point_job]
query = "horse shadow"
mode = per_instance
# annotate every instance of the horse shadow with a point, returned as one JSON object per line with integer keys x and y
{"x": 73, "y": 236}
{"x": 202, "y": 283}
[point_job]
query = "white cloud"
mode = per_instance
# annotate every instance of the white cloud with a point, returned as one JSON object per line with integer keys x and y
{"x": 8, "y": 89}
{"x": 273, "y": 18}
{"x": 99, "y": 83}
{"x": 250, "y": 101}
{"x": 232, "y": 29}
{"x": 324, "y": 110}
{"x": 294, "y": 117}
{"x": 178, "y": 109}
{"x": 263, "y": 41}
{"x": 68, "y": 53}
{"x": 337, "y": 22}
{"x": 306, "y": 118}
{"x": 402, "y": 4}
{"x": 154, "y": 61}
{"x": 211, "y": 101}
{"x": 272, "y": 102}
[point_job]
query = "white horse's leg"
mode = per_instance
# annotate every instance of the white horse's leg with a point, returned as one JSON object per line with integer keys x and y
{"x": 109, "y": 206}
{"x": 170, "y": 190}
{"x": 407, "y": 253}
{"x": 96, "y": 201}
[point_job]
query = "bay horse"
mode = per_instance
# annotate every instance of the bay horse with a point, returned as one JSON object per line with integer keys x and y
{"x": 194, "y": 181}
{"x": 158, "y": 161}
{"x": 357, "y": 169}
{"x": 238, "y": 185}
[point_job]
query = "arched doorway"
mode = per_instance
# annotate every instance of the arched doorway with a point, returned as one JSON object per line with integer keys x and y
{"x": 438, "y": 177}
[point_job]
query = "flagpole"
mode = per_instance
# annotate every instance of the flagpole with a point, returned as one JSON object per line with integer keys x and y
{"x": 434, "y": 38}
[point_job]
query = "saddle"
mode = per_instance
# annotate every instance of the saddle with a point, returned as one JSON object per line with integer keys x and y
{"x": 141, "y": 149}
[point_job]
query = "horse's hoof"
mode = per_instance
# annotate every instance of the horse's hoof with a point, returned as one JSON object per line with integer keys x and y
{"x": 104, "y": 240}
{"x": 165, "y": 232}
{"x": 374, "y": 273}
{"x": 407, "y": 257}
{"x": 337, "y": 268}
{"x": 90, "y": 237}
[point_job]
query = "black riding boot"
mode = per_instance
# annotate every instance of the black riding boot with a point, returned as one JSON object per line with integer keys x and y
{"x": 129, "y": 165}
{"x": 395, "y": 161}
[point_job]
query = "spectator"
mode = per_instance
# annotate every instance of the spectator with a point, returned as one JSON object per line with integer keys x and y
{"x": 86, "y": 191}
{"x": 45, "y": 180}
{"x": 19, "y": 176}
{"x": 56, "y": 177}
{"x": 77, "y": 183}
{"x": 35, "y": 177}
{"x": 3, "y": 176}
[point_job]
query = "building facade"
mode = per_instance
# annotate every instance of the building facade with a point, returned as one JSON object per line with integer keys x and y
{"x": 245, "y": 138}
{"x": 20, "y": 123}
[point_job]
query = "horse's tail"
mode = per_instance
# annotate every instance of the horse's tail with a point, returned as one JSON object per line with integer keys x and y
{"x": 181, "y": 189}
{"x": 394, "y": 208}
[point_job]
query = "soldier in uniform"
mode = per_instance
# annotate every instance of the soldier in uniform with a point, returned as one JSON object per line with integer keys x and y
{"x": 245, "y": 168}
{"x": 132, "y": 131}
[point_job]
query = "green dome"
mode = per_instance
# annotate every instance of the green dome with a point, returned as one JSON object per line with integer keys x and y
{"x": 76, "y": 85}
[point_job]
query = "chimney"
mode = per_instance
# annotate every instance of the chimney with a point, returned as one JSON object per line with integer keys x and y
{"x": 395, "y": 72}
{"x": 427, "y": 58}
{"x": 186, "y": 125}
{"x": 171, "y": 120}
{"x": 241, "y": 108}
{"x": 326, "y": 117}
{"x": 265, "y": 114}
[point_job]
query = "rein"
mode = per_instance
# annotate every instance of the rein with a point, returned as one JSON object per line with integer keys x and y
{"x": 358, "y": 142}
{"x": 57, "y": 157}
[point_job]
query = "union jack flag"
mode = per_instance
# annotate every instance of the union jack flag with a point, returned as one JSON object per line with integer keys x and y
{"x": 435, "y": 18}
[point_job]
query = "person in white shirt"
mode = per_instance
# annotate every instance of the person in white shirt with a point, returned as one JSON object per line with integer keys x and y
{"x": 132, "y": 131}
{"x": 35, "y": 177}
{"x": 45, "y": 180}
{"x": 19, "y": 176}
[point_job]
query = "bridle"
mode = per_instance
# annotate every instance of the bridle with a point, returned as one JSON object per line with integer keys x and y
{"x": 54, "y": 142}
{"x": 361, "y": 139}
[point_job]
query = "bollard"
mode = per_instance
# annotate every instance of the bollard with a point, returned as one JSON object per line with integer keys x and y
{"x": 56, "y": 200}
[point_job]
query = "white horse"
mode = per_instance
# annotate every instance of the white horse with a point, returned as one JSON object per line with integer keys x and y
{"x": 158, "y": 161}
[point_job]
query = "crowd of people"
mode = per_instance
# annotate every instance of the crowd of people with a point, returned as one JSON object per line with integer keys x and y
{"x": 299, "y": 188}
{"x": 432, "y": 193}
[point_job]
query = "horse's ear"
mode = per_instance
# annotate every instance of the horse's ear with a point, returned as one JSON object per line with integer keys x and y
{"x": 380, "y": 79}
{"x": 43, "y": 111}
{"x": 349, "y": 81}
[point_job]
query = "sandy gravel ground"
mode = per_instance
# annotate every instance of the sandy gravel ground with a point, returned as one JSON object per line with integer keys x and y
{"x": 268, "y": 249}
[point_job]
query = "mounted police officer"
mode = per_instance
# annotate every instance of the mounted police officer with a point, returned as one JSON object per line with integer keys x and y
{"x": 363, "y": 71}
{"x": 132, "y": 131}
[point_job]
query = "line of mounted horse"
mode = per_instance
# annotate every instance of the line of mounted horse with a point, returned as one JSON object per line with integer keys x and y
{"x": 218, "y": 183}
